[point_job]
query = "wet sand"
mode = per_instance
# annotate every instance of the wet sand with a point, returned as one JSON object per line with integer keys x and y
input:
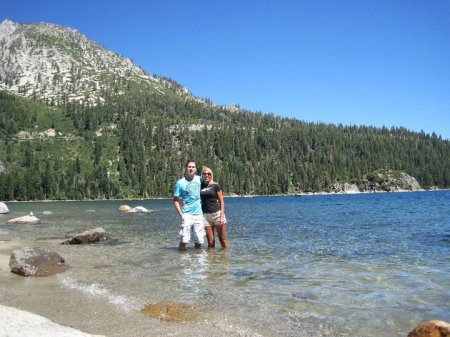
{"x": 15, "y": 322}
{"x": 70, "y": 311}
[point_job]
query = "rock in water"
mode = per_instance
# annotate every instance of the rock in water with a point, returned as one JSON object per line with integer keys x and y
{"x": 432, "y": 328}
{"x": 138, "y": 209}
{"x": 3, "y": 208}
{"x": 36, "y": 262}
{"x": 27, "y": 219}
{"x": 170, "y": 311}
{"x": 124, "y": 208}
{"x": 89, "y": 236}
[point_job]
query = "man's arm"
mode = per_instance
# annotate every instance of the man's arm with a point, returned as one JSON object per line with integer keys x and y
{"x": 176, "y": 204}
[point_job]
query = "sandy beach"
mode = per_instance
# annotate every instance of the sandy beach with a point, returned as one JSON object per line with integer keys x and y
{"x": 15, "y": 322}
{"x": 43, "y": 307}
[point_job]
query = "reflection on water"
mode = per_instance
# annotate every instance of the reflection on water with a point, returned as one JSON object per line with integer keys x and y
{"x": 344, "y": 265}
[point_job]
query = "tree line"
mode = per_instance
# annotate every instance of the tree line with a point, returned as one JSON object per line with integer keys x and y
{"x": 136, "y": 144}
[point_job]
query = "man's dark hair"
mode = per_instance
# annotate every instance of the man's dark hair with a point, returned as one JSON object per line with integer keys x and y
{"x": 191, "y": 161}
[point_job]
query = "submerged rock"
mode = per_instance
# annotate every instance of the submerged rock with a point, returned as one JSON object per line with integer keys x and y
{"x": 36, "y": 262}
{"x": 27, "y": 219}
{"x": 171, "y": 311}
{"x": 3, "y": 208}
{"x": 432, "y": 328}
{"x": 89, "y": 236}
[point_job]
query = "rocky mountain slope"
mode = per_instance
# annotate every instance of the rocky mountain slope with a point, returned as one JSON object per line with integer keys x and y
{"x": 57, "y": 64}
{"x": 380, "y": 181}
{"x": 127, "y": 134}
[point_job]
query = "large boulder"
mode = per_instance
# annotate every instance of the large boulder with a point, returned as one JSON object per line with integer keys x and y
{"x": 3, "y": 208}
{"x": 170, "y": 311}
{"x": 124, "y": 208}
{"x": 137, "y": 209}
{"x": 90, "y": 236}
{"x": 36, "y": 262}
{"x": 432, "y": 328}
{"x": 389, "y": 181}
{"x": 27, "y": 219}
{"x": 345, "y": 188}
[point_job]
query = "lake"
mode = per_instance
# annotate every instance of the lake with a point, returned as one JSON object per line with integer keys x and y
{"x": 334, "y": 265}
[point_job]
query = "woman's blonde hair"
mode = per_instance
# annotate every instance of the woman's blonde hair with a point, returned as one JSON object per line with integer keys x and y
{"x": 207, "y": 169}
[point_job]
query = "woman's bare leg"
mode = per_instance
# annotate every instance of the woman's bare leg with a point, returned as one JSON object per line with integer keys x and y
{"x": 210, "y": 236}
{"x": 222, "y": 233}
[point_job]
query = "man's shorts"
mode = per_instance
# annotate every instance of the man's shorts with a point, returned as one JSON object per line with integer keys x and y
{"x": 192, "y": 224}
{"x": 212, "y": 219}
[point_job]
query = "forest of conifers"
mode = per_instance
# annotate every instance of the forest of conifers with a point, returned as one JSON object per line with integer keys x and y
{"x": 135, "y": 146}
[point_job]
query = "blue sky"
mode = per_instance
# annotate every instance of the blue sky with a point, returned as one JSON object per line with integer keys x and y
{"x": 355, "y": 62}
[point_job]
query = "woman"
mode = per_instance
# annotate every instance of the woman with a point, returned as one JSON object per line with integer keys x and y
{"x": 213, "y": 209}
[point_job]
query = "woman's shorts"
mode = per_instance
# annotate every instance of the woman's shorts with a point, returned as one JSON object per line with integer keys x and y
{"x": 192, "y": 224}
{"x": 212, "y": 219}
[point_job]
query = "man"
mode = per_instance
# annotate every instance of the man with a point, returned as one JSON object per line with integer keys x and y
{"x": 187, "y": 203}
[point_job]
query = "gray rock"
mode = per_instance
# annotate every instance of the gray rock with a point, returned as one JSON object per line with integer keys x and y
{"x": 27, "y": 219}
{"x": 36, "y": 262}
{"x": 3, "y": 208}
{"x": 345, "y": 188}
{"x": 89, "y": 236}
{"x": 139, "y": 209}
{"x": 389, "y": 181}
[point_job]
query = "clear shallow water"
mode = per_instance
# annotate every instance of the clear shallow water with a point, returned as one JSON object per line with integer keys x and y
{"x": 338, "y": 265}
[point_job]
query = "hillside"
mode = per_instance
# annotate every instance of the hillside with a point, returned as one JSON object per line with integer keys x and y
{"x": 80, "y": 122}
{"x": 58, "y": 65}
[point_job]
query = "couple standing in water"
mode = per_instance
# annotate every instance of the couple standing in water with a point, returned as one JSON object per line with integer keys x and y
{"x": 199, "y": 203}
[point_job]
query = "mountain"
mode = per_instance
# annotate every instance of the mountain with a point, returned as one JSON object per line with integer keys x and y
{"x": 80, "y": 122}
{"x": 58, "y": 65}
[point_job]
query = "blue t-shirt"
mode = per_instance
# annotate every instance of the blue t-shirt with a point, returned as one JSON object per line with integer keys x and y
{"x": 189, "y": 191}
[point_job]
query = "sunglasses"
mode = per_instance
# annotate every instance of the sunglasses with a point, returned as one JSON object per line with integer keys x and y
{"x": 206, "y": 173}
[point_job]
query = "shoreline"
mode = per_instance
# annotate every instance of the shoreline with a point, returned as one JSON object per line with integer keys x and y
{"x": 71, "y": 307}
{"x": 14, "y": 320}
{"x": 17, "y": 323}
{"x": 63, "y": 311}
{"x": 301, "y": 194}
{"x": 232, "y": 195}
